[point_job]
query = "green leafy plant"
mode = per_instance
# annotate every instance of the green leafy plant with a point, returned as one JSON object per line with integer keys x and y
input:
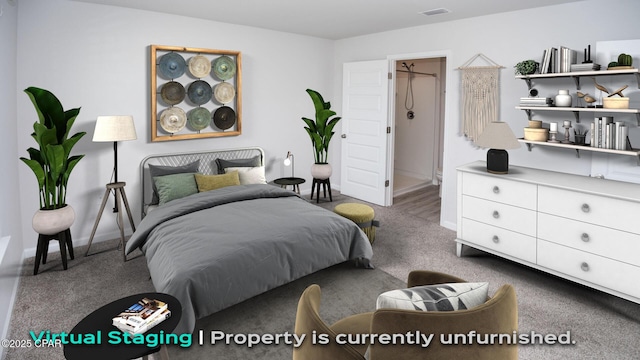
{"x": 321, "y": 130}
{"x": 526, "y": 67}
{"x": 51, "y": 162}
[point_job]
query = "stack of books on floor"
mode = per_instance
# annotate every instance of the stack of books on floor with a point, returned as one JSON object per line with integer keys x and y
{"x": 142, "y": 316}
{"x": 536, "y": 101}
{"x": 585, "y": 67}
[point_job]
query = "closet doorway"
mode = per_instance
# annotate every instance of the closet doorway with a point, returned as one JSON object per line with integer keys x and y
{"x": 418, "y": 112}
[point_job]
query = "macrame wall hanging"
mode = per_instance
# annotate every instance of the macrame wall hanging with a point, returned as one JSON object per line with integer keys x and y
{"x": 480, "y": 95}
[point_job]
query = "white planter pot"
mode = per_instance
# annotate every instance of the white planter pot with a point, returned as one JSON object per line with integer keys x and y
{"x": 50, "y": 222}
{"x": 321, "y": 171}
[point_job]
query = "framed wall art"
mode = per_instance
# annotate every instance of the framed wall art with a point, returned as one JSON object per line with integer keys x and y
{"x": 195, "y": 93}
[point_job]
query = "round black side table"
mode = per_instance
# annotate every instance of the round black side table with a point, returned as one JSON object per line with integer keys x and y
{"x": 293, "y": 181}
{"x": 101, "y": 320}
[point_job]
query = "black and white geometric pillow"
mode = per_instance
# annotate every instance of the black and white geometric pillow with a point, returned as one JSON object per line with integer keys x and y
{"x": 440, "y": 297}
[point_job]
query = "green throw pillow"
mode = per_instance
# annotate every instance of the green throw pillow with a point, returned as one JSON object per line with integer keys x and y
{"x": 175, "y": 186}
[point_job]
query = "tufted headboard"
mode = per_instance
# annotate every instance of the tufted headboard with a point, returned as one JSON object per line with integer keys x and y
{"x": 207, "y": 165}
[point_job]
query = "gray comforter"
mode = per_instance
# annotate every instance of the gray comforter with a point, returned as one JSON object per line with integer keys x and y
{"x": 215, "y": 249}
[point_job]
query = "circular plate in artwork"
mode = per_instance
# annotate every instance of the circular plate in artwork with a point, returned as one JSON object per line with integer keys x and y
{"x": 199, "y": 92}
{"x": 199, "y": 118}
{"x": 199, "y": 66}
{"x": 224, "y": 92}
{"x": 224, "y": 117}
{"x": 172, "y": 92}
{"x": 173, "y": 119}
{"x": 172, "y": 65}
{"x": 224, "y": 68}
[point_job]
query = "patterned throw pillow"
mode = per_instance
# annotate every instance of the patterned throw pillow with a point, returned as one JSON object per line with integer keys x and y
{"x": 440, "y": 297}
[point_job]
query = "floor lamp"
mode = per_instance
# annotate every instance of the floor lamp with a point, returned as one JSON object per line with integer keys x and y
{"x": 114, "y": 128}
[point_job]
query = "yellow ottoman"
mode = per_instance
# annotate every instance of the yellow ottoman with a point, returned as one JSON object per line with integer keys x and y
{"x": 363, "y": 215}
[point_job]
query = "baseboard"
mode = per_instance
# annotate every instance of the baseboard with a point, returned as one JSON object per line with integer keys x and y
{"x": 54, "y": 246}
{"x": 449, "y": 225}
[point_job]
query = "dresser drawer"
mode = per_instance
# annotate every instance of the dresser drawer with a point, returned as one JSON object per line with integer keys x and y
{"x": 504, "y": 241}
{"x": 501, "y": 215}
{"x": 595, "y": 269}
{"x": 593, "y": 209}
{"x": 501, "y": 190}
{"x": 595, "y": 239}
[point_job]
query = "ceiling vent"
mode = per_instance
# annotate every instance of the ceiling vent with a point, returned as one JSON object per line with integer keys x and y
{"x": 436, "y": 12}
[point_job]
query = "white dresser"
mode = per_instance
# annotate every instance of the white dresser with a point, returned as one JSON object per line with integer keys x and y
{"x": 584, "y": 229}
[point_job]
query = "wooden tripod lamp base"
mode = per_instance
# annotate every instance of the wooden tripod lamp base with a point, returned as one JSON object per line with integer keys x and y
{"x": 121, "y": 197}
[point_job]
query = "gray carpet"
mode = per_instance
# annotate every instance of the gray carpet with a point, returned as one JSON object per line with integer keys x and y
{"x": 603, "y": 326}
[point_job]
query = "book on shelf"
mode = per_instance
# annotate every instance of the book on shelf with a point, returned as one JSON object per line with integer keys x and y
{"x": 164, "y": 315}
{"x": 535, "y": 101}
{"x": 607, "y": 134}
{"x": 558, "y": 60}
{"x": 546, "y": 61}
{"x": 566, "y": 57}
{"x": 585, "y": 67}
{"x": 140, "y": 314}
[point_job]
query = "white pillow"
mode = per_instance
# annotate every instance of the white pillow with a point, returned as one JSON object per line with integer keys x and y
{"x": 249, "y": 175}
{"x": 440, "y": 297}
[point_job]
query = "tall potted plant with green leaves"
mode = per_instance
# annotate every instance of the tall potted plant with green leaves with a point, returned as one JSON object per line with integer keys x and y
{"x": 321, "y": 131}
{"x": 52, "y": 162}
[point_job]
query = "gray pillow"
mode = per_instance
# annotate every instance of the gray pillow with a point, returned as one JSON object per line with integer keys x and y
{"x": 175, "y": 186}
{"x": 440, "y": 297}
{"x": 156, "y": 170}
{"x": 250, "y": 162}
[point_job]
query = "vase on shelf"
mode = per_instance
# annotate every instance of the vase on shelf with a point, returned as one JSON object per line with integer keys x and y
{"x": 563, "y": 99}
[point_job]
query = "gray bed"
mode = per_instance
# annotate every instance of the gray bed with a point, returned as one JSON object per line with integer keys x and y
{"x": 217, "y": 248}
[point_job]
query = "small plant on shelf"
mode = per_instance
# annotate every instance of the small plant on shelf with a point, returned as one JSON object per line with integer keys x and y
{"x": 526, "y": 67}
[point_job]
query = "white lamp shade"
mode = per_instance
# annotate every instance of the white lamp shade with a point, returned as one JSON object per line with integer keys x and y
{"x": 497, "y": 135}
{"x": 114, "y": 128}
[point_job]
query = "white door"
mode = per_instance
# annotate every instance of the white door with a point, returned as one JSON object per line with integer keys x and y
{"x": 364, "y": 130}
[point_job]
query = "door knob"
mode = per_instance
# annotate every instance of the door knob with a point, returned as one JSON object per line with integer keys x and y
{"x": 344, "y": 136}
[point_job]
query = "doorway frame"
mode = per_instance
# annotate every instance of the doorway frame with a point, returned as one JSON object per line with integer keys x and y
{"x": 392, "y": 59}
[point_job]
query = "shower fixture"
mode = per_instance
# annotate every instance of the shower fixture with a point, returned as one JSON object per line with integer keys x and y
{"x": 408, "y": 100}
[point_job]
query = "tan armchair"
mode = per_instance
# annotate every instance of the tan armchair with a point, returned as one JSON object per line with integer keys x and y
{"x": 499, "y": 315}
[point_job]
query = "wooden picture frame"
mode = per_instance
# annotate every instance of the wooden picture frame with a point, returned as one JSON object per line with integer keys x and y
{"x": 167, "y": 125}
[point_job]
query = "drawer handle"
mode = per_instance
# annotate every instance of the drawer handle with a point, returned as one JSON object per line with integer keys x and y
{"x": 585, "y": 208}
{"x": 495, "y": 239}
{"x": 585, "y": 237}
{"x": 584, "y": 266}
{"x": 496, "y": 190}
{"x": 496, "y": 214}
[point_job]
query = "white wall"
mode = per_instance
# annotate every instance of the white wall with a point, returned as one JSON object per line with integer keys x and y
{"x": 507, "y": 39}
{"x": 10, "y": 224}
{"x": 97, "y": 57}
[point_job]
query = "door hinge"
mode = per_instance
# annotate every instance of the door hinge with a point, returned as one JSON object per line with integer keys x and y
{"x": 389, "y": 76}
{"x": 386, "y": 183}
{"x": 388, "y": 129}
